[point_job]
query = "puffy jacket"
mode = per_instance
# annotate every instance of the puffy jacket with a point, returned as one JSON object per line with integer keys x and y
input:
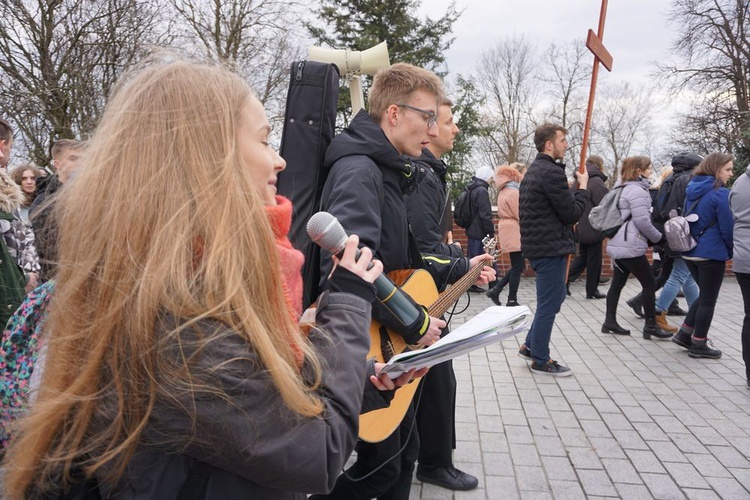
{"x": 508, "y": 226}
{"x": 548, "y": 209}
{"x": 739, "y": 202}
{"x": 427, "y": 207}
{"x": 715, "y": 241}
{"x": 635, "y": 208}
{"x": 482, "y": 225}
{"x": 597, "y": 190}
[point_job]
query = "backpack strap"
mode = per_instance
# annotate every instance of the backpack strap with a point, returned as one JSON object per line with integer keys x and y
{"x": 192, "y": 488}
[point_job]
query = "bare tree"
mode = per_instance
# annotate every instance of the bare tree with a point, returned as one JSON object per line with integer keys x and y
{"x": 255, "y": 37}
{"x": 713, "y": 52}
{"x": 622, "y": 122}
{"x": 507, "y": 77}
{"x": 60, "y": 60}
{"x": 567, "y": 77}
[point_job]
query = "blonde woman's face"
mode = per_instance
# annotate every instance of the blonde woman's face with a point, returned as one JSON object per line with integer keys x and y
{"x": 252, "y": 140}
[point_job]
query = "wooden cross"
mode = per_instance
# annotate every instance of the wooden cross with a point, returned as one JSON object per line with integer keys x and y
{"x": 601, "y": 55}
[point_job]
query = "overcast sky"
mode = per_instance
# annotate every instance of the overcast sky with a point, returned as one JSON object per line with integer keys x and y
{"x": 636, "y": 31}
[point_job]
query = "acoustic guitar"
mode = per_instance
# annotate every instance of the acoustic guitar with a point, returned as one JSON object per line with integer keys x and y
{"x": 377, "y": 425}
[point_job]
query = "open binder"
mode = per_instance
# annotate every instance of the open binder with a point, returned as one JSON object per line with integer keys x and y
{"x": 492, "y": 325}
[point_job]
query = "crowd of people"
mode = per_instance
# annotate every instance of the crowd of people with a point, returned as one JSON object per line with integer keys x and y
{"x": 155, "y": 347}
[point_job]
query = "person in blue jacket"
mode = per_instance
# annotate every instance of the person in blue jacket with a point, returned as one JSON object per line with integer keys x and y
{"x": 707, "y": 197}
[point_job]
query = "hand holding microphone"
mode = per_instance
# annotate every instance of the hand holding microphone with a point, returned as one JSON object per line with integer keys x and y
{"x": 359, "y": 262}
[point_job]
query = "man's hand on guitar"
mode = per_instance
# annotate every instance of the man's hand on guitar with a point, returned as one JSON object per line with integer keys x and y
{"x": 433, "y": 332}
{"x": 384, "y": 383}
{"x": 359, "y": 265}
{"x": 488, "y": 273}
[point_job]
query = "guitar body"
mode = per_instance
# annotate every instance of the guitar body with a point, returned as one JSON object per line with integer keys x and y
{"x": 377, "y": 425}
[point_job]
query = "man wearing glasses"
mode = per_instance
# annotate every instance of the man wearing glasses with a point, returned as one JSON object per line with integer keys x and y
{"x": 369, "y": 174}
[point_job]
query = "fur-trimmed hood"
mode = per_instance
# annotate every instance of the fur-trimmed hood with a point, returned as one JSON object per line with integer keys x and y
{"x": 11, "y": 196}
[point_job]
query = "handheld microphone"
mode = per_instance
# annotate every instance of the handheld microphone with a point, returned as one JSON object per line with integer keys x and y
{"x": 326, "y": 231}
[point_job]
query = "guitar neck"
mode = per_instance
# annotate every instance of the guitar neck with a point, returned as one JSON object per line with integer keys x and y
{"x": 451, "y": 295}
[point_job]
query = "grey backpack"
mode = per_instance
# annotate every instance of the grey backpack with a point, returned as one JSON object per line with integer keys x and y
{"x": 677, "y": 230}
{"x": 605, "y": 217}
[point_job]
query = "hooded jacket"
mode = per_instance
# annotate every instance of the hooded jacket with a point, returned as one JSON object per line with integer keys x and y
{"x": 12, "y": 281}
{"x": 597, "y": 190}
{"x": 739, "y": 202}
{"x": 548, "y": 209}
{"x": 427, "y": 206}
{"x": 365, "y": 192}
{"x": 635, "y": 208}
{"x": 508, "y": 228}
{"x": 711, "y": 204}
{"x": 481, "y": 208}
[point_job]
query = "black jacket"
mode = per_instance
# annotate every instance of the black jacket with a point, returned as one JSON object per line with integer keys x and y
{"x": 45, "y": 227}
{"x": 597, "y": 190}
{"x": 481, "y": 209}
{"x": 427, "y": 206}
{"x": 364, "y": 191}
{"x": 548, "y": 209}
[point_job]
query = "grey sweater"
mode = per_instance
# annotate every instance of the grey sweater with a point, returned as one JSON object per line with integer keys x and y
{"x": 739, "y": 202}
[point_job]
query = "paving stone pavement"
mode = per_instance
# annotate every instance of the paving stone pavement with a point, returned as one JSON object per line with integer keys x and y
{"x": 638, "y": 419}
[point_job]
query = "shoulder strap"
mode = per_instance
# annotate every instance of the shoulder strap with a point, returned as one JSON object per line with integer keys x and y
{"x": 192, "y": 488}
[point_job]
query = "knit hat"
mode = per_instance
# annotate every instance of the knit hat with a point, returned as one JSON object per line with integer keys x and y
{"x": 484, "y": 173}
{"x": 686, "y": 161}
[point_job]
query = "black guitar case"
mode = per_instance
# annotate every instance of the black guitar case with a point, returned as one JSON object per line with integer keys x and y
{"x": 309, "y": 127}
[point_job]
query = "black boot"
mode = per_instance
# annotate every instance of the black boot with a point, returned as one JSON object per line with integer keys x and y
{"x": 682, "y": 339}
{"x": 651, "y": 329}
{"x": 494, "y": 293}
{"x": 702, "y": 348}
{"x": 567, "y": 289}
{"x": 637, "y": 304}
{"x": 610, "y": 326}
{"x": 675, "y": 309}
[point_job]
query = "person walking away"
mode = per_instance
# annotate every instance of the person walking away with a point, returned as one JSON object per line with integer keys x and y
{"x": 589, "y": 239}
{"x": 709, "y": 199}
{"x": 508, "y": 182}
{"x": 628, "y": 247}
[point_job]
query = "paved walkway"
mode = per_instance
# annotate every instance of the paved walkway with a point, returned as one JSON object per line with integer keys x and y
{"x": 638, "y": 419}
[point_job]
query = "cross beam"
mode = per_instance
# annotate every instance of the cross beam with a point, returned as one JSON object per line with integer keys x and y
{"x": 595, "y": 44}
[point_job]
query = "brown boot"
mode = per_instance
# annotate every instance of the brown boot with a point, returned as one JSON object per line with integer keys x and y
{"x": 661, "y": 322}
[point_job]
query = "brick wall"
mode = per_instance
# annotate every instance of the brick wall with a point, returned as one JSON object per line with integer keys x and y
{"x": 504, "y": 261}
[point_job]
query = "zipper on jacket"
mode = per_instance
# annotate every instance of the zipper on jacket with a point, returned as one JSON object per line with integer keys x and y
{"x": 300, "y": 67}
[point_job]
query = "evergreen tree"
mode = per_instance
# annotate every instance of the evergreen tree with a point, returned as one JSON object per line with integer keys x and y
{"x": 361, "y": 24}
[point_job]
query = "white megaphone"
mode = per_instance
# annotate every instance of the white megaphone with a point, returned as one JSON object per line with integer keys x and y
{"x": 352, "y": 64}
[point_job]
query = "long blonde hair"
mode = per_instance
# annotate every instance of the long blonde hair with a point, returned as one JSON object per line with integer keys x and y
{"x": 163, "y": 218}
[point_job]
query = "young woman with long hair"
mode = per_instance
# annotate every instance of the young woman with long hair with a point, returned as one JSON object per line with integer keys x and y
{"x": 507, "y": 181}
{"x": 25, "y": 176}
{"x": 628, "y": 247}
{"x": 707, "y": 197}
{"x": 172, "y": 337}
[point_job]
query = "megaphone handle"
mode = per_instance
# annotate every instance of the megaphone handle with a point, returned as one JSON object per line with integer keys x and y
{"x": 357, "y": 94}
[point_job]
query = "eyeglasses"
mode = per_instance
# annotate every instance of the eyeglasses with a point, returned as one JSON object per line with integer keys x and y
{"x": 431, "y": 115}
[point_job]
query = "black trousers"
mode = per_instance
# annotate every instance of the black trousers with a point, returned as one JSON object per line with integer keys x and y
{"x": 513, "y": 276}
{"x": 641, "y": 269}
{"x": 589, "y": 258}
{"x": 436, "y": 412}
{"x": 709, "y": 274}
{"x": 392, "y": 481}
{"x": 744, "y": 280}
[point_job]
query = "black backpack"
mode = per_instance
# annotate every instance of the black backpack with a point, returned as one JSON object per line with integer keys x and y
{"x": 462, "y": 213}
{"x": 662, "y": 205}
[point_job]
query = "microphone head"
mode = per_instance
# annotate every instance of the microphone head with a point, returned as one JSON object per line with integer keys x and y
{"x": 325, "y": 230}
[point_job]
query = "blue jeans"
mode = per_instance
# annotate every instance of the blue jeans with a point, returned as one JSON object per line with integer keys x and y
{"x": 550, "y": 294}
{"x": 679, "y": 278}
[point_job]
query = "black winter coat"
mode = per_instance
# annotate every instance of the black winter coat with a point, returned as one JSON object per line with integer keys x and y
{"x": 365, "y": 192}
{"x": 548, "y": 209}
{"x": 597, "y": 190}
{"x": 481, "y": 209}
{"x": 426, "y": 206}
{"x": 45, "y": 227}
